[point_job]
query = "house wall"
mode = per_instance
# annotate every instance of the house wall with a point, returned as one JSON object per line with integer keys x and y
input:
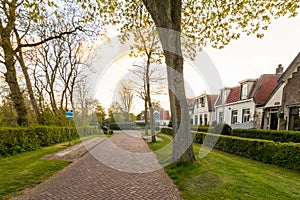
{"x": 272, "y": 106}
{"x": 291, "y": 98}
{"x": 276, "y": 99}
{"x": 202, "y": 111}
{"x": 291, "y": 91}
{"x": 239, "y": 106}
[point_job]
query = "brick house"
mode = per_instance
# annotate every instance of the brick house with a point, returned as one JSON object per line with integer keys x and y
{"x": 282, "y": 108}
{"x": 291, "y": 95}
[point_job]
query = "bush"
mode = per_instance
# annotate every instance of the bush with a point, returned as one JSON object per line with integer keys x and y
{"x": 223, "y": 129}
{"x": 167, "y": 131}
{"x": 16, "y": 140}
{"x": 282, "y": 154}
{"x": 199, "y": 128}
{"x": 122, "y": 126}
{"x": 275, "y": 135}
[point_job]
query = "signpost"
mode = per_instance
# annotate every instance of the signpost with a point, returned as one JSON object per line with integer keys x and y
{"x": 69, "y": 115}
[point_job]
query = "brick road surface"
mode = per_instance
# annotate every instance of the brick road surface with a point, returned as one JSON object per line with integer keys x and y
{"x": 126, "y": 171}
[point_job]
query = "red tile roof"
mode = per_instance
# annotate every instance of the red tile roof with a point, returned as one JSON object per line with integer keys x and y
{"x": 234, "y": 95}
{"x": 260, "y": 91}
{"x": 267, "y": 84}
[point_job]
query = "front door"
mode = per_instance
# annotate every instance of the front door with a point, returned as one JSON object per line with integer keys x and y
{"x": 294, "y": 122}
{"x": 274, "y": 121}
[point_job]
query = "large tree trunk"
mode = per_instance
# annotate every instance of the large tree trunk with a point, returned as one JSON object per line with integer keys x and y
{"x": 29, "y": 88}
{"x": 153, "y": 138}
{"x": 167, "y": 15}
{"x": 11, "y": 79}
{"x": 146, "y": 116}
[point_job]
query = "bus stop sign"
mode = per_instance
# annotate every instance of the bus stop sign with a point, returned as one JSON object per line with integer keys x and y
{"x": 69, "y": 114}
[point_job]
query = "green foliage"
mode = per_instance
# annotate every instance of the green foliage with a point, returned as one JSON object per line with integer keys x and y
{"x": 275, "y": 135}
{"x": 221, "y": 175}
{"x": 204, "y": 22}
{"x": 283, "y": 154}
{"x": 122, "y": 126}
{"x": 199, "y": 128}
{"x": 100, "y": 113}
{"x": 167, "y": 131}
{"x": 221, "y": 128}
{"x": 17, "y": 140}
{"x": 25, "y": 170}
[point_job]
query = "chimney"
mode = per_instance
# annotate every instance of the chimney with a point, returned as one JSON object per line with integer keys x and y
{"x": 279, "y": 69}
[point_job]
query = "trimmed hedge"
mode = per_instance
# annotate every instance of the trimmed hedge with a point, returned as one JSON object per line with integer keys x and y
{"x": 275, "y": 135}
{"x": 282, "y": 154}
{"x": 200, "y": 128}
{"x": 122, "y": 126}
{"x": 17, "y": 140}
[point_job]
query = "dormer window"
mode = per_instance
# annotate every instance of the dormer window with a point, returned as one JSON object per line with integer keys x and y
{"x": 244, "y": 92}
{"x": 202, "y": 103}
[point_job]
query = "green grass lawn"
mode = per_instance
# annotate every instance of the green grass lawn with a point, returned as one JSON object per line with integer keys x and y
{"x": 222, "y": 175}
{"x": 26, "y": 170}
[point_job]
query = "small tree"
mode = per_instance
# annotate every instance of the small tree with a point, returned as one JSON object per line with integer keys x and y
{"x": 100, "y": 113}
{"x": 126, "y": 98}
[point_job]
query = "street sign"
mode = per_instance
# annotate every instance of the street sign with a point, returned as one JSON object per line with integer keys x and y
{"x": 69, "y": 114}
{"x": 156, "y": 115}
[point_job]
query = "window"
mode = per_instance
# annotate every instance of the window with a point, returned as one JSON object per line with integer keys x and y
{"x": 234, "y": 115}
{"x": 205, "y": 120}
{"x": 221, "y": 117}
{"x": 201, "y": 120}
{"x": 202, "y": 103}
{"x": 196, "y": 119}
{"x": 244, "y": 91}
{"x": 246, "y": 115}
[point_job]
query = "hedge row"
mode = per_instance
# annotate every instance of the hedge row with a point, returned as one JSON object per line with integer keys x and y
{"x": 275, "y": 135}
{"x": 122, "y": 126}
{"x": 199, "y": 128}
{"x": 282, "y": 154}
{"x": 16, "y": 140}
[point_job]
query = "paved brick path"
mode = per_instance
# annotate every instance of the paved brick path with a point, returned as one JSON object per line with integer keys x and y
{"x": 87, "y": 178}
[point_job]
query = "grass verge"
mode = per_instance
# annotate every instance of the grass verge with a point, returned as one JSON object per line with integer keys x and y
{"x": 25, "y": 170}
{"x": 222, "y": 175}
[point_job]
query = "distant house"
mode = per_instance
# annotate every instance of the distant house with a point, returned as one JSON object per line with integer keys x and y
{"x": 203, "y": 110}
{"x": 161, "y": 116}
{"x": 190, "y": 104}
{"x": 242, "y": 106}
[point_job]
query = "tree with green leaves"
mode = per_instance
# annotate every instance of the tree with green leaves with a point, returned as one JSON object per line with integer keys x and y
{"x": 100, "y": 113}
{"x": 204, "y": 22}
{"x": 18, "y": 22}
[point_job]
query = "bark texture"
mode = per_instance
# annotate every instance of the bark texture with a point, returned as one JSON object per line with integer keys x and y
{"x": 167, "y": 17}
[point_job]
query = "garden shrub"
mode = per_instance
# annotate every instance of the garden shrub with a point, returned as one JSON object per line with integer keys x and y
{"x": 221, "y": 128}
{"x": 17, "y": 140}
{"x": 282, "y": 154}
{"x": 275, "y": 135}
{"x": 122, "y": 126}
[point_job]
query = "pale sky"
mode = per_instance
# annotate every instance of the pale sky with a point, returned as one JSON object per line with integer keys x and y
{"x": 247, "y": 57}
